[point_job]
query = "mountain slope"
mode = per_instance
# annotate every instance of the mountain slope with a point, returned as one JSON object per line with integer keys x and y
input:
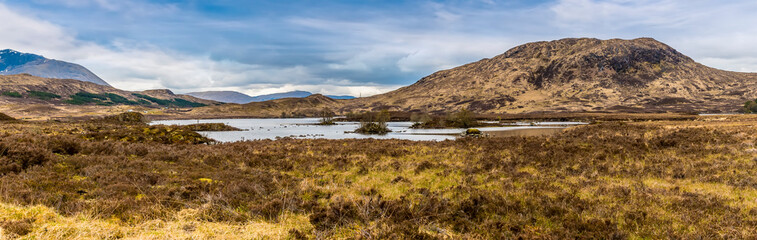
{"x": 292, "y": 94}
{"x": 28, "y": 89}
{"x": 241, "y": 98}
{"x": 223, "y": 96}
{"x": 311, "y": 105}
{"x": 13, "y": 62}
{"x": 573, "y": 75}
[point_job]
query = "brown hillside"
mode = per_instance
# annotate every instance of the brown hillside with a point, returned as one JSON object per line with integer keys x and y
{"x": 573, "y": 75}
{"x": 24, "y": 83}
{"x": 284, "y": 107}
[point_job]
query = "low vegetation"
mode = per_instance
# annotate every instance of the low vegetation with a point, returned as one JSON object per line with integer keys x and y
{"x": 374, "y": 123}
{"x": 216, "y": 127}
{"x": 750, "y": 106}
{"x": 105, "y": 99}
{"x": 610, "y": 180}
{"x": 12, "y": 94}
{"x": 472, "y": 132}
{"x": 127, "y": 117}
{"x": 177, "y": 102}
{"x": 460, "y": 119}
{"x": 327, "y": 117}
{"x": 43, "y": 95}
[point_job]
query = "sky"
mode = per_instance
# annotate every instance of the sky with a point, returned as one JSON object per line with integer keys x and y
{"x": 357, "y": 48}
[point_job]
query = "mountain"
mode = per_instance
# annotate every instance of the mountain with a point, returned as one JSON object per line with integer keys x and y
{"x": 241, "y": 98}
{"x": 28, "y": 89}
{"x": 292, "y": 94}
{"x": 223, "y": 96}
{"x": 342, "y": 97}
{"x": 311, "y": 105}
{"x": 575, "y": 75}
{"x": 13, "y": 62}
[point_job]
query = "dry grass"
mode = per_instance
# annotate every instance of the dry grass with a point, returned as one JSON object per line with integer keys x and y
{"x": 663, "y": 179}
{"x": 40, "y": 222}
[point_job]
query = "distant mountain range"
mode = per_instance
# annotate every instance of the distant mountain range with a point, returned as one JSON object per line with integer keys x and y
{"x": 241, "y": 98}
{"x": 14, "y": 62}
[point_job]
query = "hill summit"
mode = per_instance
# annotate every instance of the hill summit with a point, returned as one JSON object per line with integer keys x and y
{"x": 14, "y": 62}
{"x": 574, "y": 75}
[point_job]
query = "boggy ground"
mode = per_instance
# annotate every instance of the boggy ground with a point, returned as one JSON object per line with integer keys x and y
{"x": 611, "y": 180}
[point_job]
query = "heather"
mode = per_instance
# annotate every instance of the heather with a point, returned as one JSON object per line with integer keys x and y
{"x": 608, "y": 180}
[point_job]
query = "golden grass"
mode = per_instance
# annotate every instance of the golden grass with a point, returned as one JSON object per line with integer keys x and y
{"x": 48, "y": 224}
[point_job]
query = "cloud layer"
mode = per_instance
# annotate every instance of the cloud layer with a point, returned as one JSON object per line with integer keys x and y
{"x": 343, "y": 47}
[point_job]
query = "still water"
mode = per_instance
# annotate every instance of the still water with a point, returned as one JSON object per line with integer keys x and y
{"x": 272, "y": 128}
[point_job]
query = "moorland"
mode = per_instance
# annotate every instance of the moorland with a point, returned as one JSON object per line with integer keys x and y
{"x": 79, "y": 161}
{"x": 120, "y": 178}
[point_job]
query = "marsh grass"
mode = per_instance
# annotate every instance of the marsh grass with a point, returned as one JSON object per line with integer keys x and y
{"x": 671, "y": 179}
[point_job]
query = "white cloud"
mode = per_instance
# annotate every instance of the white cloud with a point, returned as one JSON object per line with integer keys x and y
{"x": 439, "y": 36}
{"x": 135, "y": 66}
{"x": 25, "y": 34}
{"x": 717, "y": 34}
{"x": 615, "y": 13}
{"x": 410, "y": 50}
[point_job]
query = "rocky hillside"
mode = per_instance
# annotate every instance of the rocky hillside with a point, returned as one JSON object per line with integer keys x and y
{"x": 28, "y": 89}
{"x": 13, "y": 62}
{"x": 573, "y": 75}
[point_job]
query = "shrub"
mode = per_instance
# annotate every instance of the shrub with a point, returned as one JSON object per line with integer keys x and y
{"x": 118, "y": 99}
{"x": 327, "y": 117}
{"x": 177, "y": 102}
{"x": 460, "y": 119}
{"x": 18, "y": 154}
{"x": 217, "y": 127}
{"x": 463, "y": 119}
{"x": 750, "y": 106}
{"x": 83, "y": 98}
{"x": 472, "y": 131}
{"x": 374, "y": 123}
{"x": 43, "y": 95}
{"x": 152, "y": 99}
{"x": 11, "y": 94}
{"x": 420, "y": 118}
{"x": 127, "y": 117}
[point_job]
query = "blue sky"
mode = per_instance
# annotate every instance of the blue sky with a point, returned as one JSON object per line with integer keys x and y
{"x": 346, "y": 47}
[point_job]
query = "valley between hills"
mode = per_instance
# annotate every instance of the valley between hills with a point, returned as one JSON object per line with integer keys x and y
{"x": 80, "y": 160}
